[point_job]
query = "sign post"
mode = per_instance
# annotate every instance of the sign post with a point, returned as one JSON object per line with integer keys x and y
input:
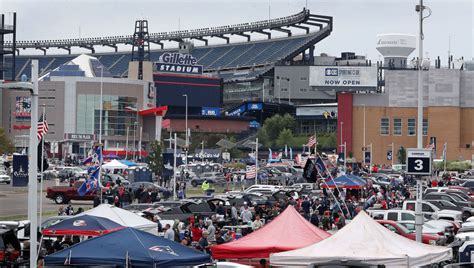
{"x": 419, "y": 164}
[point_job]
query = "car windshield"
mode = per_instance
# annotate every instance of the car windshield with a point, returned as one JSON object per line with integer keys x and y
{"x": 456, "y": 197}
{"x": 403, "y": 228}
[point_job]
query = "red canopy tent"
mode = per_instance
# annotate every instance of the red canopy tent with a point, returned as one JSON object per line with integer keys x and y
{"x": 288, "y": 231}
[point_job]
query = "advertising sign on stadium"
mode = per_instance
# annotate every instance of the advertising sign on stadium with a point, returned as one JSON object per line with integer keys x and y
{"x": 22, "y": 107}
{"x": 178, "y": 63}
{"x": 212, "y": 111}
{"x": 347, "y": 76}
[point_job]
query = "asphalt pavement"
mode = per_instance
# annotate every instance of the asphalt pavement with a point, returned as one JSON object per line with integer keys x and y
{"x": 14, "y": 200}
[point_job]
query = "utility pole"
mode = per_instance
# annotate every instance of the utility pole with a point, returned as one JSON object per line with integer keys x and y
{"x": 126, "y": 144}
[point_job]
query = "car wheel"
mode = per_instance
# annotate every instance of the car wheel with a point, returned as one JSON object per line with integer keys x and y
{"x": 59, "y": 199}
{"x": 8, "y": 182}
{"x": 194, "y": 183}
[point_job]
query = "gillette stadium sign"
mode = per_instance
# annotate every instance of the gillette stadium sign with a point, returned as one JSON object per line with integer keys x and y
{"x": 178, "y": 63}
{"x": 347, "y": 76}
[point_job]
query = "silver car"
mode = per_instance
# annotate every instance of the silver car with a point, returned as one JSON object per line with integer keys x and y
{"x": 4, "y": 178}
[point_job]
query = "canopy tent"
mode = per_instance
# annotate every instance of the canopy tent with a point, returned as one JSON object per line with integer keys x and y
{"x": 347, "y": 181}
{"x": 364, "y": 240}
{"x": 130, "y": 247}
{"x": 120, "y": 216}
{"x": 128, "y": 163}
{"x": 83, "y": 225}
{"x": 114, "y": 164}
{"x": 271, "y": 238}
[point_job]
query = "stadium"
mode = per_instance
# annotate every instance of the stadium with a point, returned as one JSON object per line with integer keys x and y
{"x": 231, "y": 93}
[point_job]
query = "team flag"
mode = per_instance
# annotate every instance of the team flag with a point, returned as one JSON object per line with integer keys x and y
{"x": 92, "y": 183}
{"x": 250, "y": 172}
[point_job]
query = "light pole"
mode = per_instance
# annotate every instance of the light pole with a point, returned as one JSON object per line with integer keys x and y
{"x": 186, "y": 129}
{"x": 135, "y": 124}
{"x": 393, "y": 147}
{"x": 101, "y": 102}
{"x": 174, "y": 165}
{"x": 32, "y": 87}
{"x": 363, "y": 133}
{"x": 256, "y": 161}
{"x": 418, "y": 213}
{"x": 126, "y": 145}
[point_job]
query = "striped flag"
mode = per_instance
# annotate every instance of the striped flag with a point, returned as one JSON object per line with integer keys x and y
{"x": 42, "y": 127}
{"x": 311, "y": 141}
{"x": 250, "y": 172}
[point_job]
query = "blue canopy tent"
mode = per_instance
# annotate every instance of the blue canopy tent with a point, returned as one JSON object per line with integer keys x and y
{"x": 128, "y": 163}
{"x": 347, "y": 181}
{"x": 128, "y": 247}
{"x": 86, "y": 225}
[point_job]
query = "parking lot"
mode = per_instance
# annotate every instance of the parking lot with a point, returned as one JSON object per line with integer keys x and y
{"x": 14, "y": 200}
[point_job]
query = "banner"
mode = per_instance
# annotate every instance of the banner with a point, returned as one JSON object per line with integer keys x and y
{"x": 347, "y": 76}
{"x": 20, "y": 171}
{"x": 168, "y": 164}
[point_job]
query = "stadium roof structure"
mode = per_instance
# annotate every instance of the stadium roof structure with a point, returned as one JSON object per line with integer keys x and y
{"x": 231, "y": 61}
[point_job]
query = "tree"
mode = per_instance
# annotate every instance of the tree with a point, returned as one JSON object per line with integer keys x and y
{"x": 276, "y": 124}
{"x": 6, "y": 145}
{"x": 155, "y": 158}
{"x": 285, "y": 137}
{"x": 402, "y": 155}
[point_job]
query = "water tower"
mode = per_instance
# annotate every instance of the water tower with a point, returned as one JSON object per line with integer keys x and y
{"x": 395, "y": 48}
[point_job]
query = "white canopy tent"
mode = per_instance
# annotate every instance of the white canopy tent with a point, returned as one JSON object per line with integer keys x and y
{"x": 364, "y": 240}
{"x": 114, "y": 164}
{"x": 121, "y": 216}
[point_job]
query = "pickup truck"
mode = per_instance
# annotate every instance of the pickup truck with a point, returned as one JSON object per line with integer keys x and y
{"x": 63, "y": 194}
{"x": 432, "y": 211}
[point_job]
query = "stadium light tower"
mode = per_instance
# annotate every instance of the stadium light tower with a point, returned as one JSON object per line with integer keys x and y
{"x": 418, "y": 212}
{"x": 32, "y": 87}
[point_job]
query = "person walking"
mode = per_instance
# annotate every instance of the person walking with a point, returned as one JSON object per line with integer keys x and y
{"x": 169, "y": 233}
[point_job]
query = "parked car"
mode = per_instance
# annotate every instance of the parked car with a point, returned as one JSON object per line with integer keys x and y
{"x": 444, "y": 196}
{"x": 432, "y": 211}
{"x": 403, "y": 231}
{"x": 71, "y": 172}
{"x": 465, "y": 233}
{"x": 264, "y": 189}
{"x": 444, "y": 231}
{"x": 392, "y": 214}
{"x": 211, "y": 177}
{"x": 469, "y": 184}
{"x": 443, "y": 204}
{"x": 4, "y": 178}
{"x": 63, "y": 194}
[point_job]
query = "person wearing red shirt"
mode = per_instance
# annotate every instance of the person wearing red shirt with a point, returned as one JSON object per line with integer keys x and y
{"x": 434, "y": 183}
{"x": 196, "y": 232}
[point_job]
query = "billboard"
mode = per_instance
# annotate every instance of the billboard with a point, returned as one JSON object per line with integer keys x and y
{"x": 343, "y": 76}
{"x": 202, "y": 91}
{"x": 22, "y": 107}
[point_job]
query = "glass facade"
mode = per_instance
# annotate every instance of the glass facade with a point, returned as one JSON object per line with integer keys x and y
{"x": 118, "y": 114}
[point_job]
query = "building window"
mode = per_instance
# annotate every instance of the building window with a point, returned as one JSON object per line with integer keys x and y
{"x": 411, "y": 127}
{"x": 397, "y": 126}
{"x": 303, "y": 78}
{"x": 425, "y": 127}
{"x": 284, "y": 89}
{"x": 384, "y": 126}
{"x": 303, "y": 89}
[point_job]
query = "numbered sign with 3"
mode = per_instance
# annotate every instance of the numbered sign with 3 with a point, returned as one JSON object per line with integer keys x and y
{"x": 419, "y": 161}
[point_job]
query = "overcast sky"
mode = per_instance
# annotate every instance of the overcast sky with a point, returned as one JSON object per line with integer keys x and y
{"x": 356, "y": 22}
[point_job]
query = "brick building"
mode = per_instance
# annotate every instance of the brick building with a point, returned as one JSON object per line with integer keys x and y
{"x": 388, "y": 119}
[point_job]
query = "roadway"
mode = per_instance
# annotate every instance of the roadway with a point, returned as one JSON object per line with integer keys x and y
{"x": 14, "y": 201}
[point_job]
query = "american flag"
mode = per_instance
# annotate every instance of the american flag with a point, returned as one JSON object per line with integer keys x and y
{"x": 311, "y": 141}
{"x": 250, "y": 172}
{"x": 42, "y": 127}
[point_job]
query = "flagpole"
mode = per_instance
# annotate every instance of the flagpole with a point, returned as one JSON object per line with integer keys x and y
{"x": 445, "y": 152}
{"x": 42, "y": 169}
{"x": 256, "y": 160}
{"x": 174, "y": 166}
